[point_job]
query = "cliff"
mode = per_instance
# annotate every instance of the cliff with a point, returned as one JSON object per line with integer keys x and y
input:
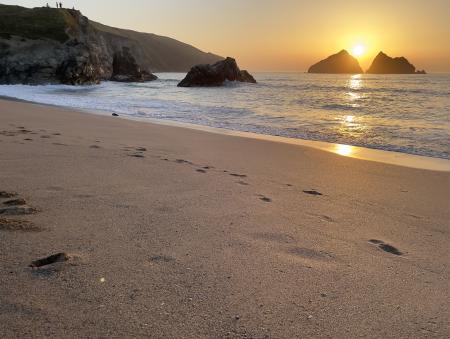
{"x": 341, "y": 62}
{"x": 384, "y": 64}
{"x": 49, "y": 45}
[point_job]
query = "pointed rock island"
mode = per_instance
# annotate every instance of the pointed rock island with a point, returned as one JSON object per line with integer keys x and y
{"x": 384, "y": 64}
{"x": 216, "y": 74}
{"x": 340, "y": 63}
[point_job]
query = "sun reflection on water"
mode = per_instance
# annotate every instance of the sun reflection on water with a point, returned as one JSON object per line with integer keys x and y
{"x": 344, "y": 150}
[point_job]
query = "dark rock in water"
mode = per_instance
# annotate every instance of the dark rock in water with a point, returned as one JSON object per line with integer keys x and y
{"x": 384, "y": 64}
{"x": 125, "y": 68}
{"x": 115, "y": 115}
{"x": 340, "y": 63}
{"x": 216, "y": 74}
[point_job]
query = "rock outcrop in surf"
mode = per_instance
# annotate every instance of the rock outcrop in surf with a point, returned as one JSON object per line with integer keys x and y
{"x": 384, "y": 64}
{"x": 216, "y": 74}
{"x": 340, "y": 63}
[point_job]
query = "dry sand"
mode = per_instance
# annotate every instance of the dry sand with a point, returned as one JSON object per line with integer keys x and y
{"x": 175, "y": 233}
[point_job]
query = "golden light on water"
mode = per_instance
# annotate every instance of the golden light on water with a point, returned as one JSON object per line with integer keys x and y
{"x": 345, "y": 150}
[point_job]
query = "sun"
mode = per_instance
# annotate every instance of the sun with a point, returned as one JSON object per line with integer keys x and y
{"x": 358, "y": 50}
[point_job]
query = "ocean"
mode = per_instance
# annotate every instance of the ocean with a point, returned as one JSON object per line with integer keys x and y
{"x": 400, "y": 113}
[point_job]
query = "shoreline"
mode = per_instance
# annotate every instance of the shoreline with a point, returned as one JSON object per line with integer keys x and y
{"x": 357, "y": 152}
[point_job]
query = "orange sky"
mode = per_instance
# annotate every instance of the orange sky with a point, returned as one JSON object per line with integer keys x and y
{"x": 288, "y": 35}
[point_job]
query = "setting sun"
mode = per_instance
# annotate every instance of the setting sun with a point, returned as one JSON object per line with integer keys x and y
{"x": 358, "y": 50}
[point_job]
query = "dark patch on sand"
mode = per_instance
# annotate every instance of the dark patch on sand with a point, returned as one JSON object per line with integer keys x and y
{"x": 162, "y": 258}
{"x": 15, "y": 202}
{"x": 59, "y": 144}
{"x": 265, "y": 199}
{"x": 385, "y": 247}
{"x": 141, "y": 149}
{"x": 45, "y": 136}
{"x": 59, "y": 257}
{"x": 243, "y": 183}
{"x": 4, "y": 194}
{"x": 200, "y": 170}
{"x": 182, "y": 161}
{"x": 312, "y": 192}
{"x": 390, "y": 249}
{"x": 28, "y": 139}
{"x": 56, "y": 133}
{"x": 136, "y": 155}
{"x": 9, "y": 225}
{"x": 94, "y": 146}
{"x": 17, "y": 210}
{"x": 238, "y": 175}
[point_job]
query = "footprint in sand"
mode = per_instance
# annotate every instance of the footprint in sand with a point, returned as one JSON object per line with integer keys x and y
{"x": 312, "y": 192}
{"x": 264, "y": 198}
{"x": 385, "y": 247}
{"x": 162, "y": 259}
{"x": 136, "y": 155}
{"x": 15, "y": 202}
{"x": 17, "y": 206}
{"x": 9, "y": 225}
{"x": 182, "y": 161}
{"x": 238, "y": 175}
{"x": 4, "y": 194}
{"x": 52, "y": 259}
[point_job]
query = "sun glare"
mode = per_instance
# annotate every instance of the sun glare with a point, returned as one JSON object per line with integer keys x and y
{"x": 358, "y": 50}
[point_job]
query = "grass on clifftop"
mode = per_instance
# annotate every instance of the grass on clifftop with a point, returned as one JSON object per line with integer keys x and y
{"x": 35, "y": 23}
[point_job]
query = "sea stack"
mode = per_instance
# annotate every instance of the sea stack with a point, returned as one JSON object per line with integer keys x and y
{"x": 384, "y": 64}
{"x": 340, "y": 63}
{"x": 215, "y": 75}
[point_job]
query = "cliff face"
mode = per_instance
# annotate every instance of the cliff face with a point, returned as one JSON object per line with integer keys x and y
{"x": 49, "y": 45}
{"x": 341, "y": 62}
{"x": 384, "y": 64}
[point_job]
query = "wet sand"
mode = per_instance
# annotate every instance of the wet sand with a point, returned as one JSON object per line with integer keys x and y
{"x": 168, "y": 232}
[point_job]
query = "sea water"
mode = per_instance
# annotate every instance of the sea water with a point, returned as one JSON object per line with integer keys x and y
{"x": 401, "y": 113}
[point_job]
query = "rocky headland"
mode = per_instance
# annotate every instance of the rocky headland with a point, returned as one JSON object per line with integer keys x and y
{"x": 50, "y": 46}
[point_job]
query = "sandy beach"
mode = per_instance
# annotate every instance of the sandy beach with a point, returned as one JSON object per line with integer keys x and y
{"x": 171, "y": 232}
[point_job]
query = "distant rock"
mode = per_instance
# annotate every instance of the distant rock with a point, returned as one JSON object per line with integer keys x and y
{"x": 340, "y": 63}
{"x": 125, "y": 68}
{"x": 384, "y": 64}
{"x": 216, "y": 74}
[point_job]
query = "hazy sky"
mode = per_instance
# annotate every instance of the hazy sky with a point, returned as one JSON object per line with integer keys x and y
{"x": 287, "y": 34}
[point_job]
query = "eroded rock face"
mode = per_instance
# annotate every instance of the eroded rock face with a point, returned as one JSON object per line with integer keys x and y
{"x": 340, "y": 63}
{"x": 216, "y": 74}
{"x": 125, "y": 68}
{"x": 54, "y": 46}
{"x": 384, "y": 64}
